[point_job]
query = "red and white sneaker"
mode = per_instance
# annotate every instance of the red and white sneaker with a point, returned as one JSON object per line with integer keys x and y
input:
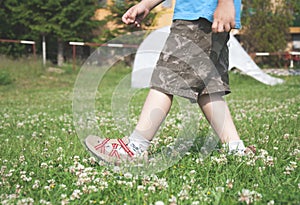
{"x": 114, "y": 151}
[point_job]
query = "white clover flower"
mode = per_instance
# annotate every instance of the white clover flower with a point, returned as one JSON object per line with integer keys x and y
{"x": 63, "y": 196}
{"x": 129, "y": 184}
{"x": 34, "y": 134}
{"x": 192, "y": 171}
{"x": 63, "y": 186}
{"x": 64, "y": 202}
{"x": 76, "y": 194}
{"x": 261, "y": 169}
{"x": 173, "y": 200}
{"x": 229, "y": 183}
{"x": 36, "y": 184}
{"x": 22, "y": 158}
{"x": 59, "y": 149}
{"x": 295, "y": 152}
{"x": 251, "y": 162}
{"x": 263, "y": 153}
{"x": 290, "y": 168}
{"x": 159, "y": 203}
{"x": 269, "y": 161}
{"x": 92, "y": 160}
{"x": 43, "y": 201}
{"x": 93, "y": 188}
{"x": 183, "y": 194}
{"x": 220, "y": 189}
{"x": 199, "y": 161}
{"x": 221, "y": 160}
{"x": 72, "y": 169}
{"x": 128, "y": 175}
{"x": 20, "y": 124}
{"x": 23, "y": 176}
{"x": 8, "y": 174}
{"x": 76, "y": 158}
{"x": 103, "y": 185}
{"x": 151, "y": 188}
{"x": 162, "y": 183}
{"x": 256, "y": 196}
{"x": 293, "y": 165}
{"x": 27, "y": 201}
{"x": 47, "y": 188}
{"x": 245, "y": 196}
{"x": 51, "y": 181}
{"x": 3, "y": 168}
{"x": 248, "y": 196}
{"x": 286, "y": 136}
{"x": 140, "y": 187}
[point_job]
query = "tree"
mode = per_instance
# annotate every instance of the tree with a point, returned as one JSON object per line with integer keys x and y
{"x": 114, "y": 25}
{"x": 62, "y": 20}
{"x": 12, "y": 27}
{"x": 266, "y": 24}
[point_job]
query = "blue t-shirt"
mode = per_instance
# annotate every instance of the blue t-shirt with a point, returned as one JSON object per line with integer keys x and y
{"x": 195, "y": 9}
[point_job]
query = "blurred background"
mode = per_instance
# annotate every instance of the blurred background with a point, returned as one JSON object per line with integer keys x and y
{"x": 44, "y": 29}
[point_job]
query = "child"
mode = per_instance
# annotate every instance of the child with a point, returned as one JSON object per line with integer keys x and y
{"x": 207, "y": 25}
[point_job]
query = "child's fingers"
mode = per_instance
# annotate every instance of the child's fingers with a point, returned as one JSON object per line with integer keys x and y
{"x": 227, "y": 27}
{"x": 215, "y": 26}
{"x": 129, "y": 16}
{"x": 222, "y": 27}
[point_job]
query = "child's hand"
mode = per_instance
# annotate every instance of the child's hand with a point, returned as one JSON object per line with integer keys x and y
{"x": 224, "y": 16}
{"x": 135, "y": 14}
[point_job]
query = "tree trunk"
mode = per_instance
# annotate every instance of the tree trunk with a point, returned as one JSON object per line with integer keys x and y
{"x": 60, "y": 52}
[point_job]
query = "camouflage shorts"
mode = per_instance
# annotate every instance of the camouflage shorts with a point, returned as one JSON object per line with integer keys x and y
{"x": 194, "y": 61}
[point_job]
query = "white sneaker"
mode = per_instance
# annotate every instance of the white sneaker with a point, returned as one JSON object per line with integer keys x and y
{"x": 238, "y": 148}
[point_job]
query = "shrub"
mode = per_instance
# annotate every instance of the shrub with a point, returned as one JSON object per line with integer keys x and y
{"x": 5, "y": 78}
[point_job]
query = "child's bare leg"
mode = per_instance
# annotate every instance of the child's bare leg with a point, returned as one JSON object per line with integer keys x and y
{"x": 155, "y": 109}
{"x": 217, "y": 113}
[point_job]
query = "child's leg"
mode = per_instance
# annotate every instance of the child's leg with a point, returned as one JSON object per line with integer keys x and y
{"x": 217, "y": 113}
{"x": 155, "y": 109}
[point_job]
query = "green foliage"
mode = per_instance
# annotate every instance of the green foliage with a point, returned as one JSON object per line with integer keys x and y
{"x": 117, "y": 9}
{"x": 296, "y": 13}
{"x": 5, "y": 78}
{"x": 57, "y": 19}
{"x": 63, "y": 19}
{"x": 266, "y": 25}
{"x": 12, "y": 27}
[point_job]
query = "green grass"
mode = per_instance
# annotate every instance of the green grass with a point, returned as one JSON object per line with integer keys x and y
{"x": 42, "y": 160}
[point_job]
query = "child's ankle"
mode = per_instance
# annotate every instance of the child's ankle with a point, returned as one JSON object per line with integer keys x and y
{"x": 138, "y": 143}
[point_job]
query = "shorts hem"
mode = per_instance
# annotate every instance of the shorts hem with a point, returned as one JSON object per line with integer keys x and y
{"x": 192, "y": 99}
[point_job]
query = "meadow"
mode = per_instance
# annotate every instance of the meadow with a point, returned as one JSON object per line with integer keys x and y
{"x": 42, "y": 160}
